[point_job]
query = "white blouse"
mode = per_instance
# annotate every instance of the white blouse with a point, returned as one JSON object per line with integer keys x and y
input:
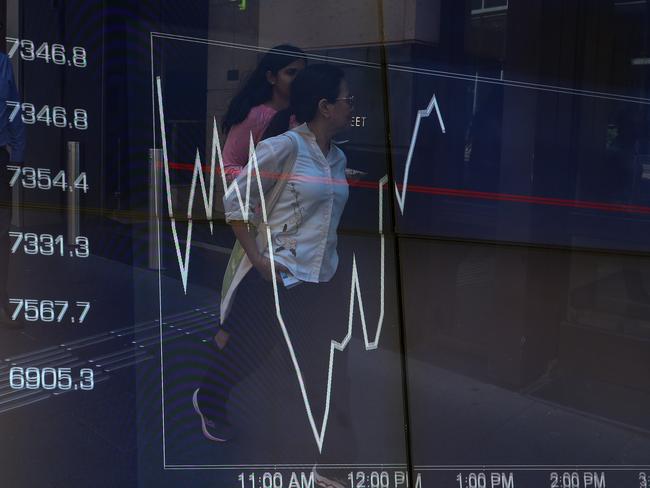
{"x": 306, "y": 215}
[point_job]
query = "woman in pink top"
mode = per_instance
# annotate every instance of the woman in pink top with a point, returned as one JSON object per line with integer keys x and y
{"x": 265, "y": 93}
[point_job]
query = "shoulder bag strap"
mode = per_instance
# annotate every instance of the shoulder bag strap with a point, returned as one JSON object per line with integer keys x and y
{"x": 287, "y": 170}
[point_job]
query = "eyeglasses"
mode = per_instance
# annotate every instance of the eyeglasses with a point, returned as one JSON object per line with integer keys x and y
{"x": 349, "y": 100}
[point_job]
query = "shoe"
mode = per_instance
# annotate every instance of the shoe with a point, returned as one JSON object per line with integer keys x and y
{"x": 211, "y": 430}
{"x": 7, "y": 323}
{"x": 324, "y": 482}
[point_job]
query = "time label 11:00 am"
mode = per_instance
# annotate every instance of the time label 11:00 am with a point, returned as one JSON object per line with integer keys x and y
{"x": 48, "y": 245}
{"x": 50, "y": 379}
{"x": 46, "y": 52}
{"x": 49, "y": 310}
{"x": 42, "y": 179}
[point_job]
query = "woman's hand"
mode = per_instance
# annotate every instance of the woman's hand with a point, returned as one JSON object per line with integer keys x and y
{"x": 263, "y": 265}
{"x": 259, "y": 262}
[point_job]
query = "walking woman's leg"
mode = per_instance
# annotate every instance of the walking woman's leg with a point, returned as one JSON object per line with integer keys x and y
{"x": 234, "y": 353}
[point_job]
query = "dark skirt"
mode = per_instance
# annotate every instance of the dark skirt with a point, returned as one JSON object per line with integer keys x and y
{"x": 314, "y": 314}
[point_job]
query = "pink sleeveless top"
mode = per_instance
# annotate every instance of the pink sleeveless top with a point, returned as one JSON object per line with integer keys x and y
{"x": 235, "y": 151}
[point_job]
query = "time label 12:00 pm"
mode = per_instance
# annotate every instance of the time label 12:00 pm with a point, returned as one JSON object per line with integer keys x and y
{"x": 49, "y": 245}
{"x": 58, "y": 311}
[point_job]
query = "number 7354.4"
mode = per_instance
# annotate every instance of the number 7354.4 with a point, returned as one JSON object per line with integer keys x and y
{"x": 42, "y": 179}
{"x": 48, "y": 310}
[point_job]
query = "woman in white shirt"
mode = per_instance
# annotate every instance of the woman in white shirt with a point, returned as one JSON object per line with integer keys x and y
{"x": 303, "y": 224}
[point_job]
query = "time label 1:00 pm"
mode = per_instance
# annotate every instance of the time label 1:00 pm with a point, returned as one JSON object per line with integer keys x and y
{"x": 41, "y": 178}
{"x": 50, "y": 379}
{"x": 485, "y": 480}
{"x": 49, "y": 310}
{"x": 49, "y": 245}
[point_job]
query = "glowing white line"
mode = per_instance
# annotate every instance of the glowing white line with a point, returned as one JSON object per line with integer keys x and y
{"x": 159, "y": 263}
{"x": 208, "y": 195}
{"x": 416, "y": 130}
{"x": 355, "y": 290}
{"x": 413, "y": 70}
{"x": 355, "y": 286}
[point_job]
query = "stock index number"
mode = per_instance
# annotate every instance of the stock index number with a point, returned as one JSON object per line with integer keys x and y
{"x": 49, "y": 310}
{"x": 48, "y": 245}
{"x": 32, "y": 378}
{"x": 51, "y": 116}
{"x": 42, "y": 179}
{"x": 46, "y": 52}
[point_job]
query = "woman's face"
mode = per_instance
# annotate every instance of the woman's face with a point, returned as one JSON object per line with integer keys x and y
{"x": 342, "y": 108}
{"x": 282, "y": 80}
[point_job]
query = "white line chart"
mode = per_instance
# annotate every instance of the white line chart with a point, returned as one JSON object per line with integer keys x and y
{"x": 183, "y": 256}
{"x": 416, "y": 131}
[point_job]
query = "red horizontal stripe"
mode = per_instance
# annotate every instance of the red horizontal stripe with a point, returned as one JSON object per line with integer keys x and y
{"x": 477, "y": 195}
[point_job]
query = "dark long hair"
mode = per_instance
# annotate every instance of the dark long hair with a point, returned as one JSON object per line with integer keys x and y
{"x": 312, "y": 84}
{"x": 257, "y": 90}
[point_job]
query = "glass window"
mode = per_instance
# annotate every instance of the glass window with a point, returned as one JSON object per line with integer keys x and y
{"x": 363, "y": 244}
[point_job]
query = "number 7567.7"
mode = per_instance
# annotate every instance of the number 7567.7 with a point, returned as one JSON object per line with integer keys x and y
{"x": 48, "y": 310}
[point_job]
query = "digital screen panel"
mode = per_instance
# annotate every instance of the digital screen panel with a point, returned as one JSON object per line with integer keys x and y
{"x": 314, "y": 384}
{"x": 325, "y": 244}
{"x": 452, "y": 157}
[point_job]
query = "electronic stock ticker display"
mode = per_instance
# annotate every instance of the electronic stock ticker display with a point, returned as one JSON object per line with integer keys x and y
{"x": 488, "y": 322}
